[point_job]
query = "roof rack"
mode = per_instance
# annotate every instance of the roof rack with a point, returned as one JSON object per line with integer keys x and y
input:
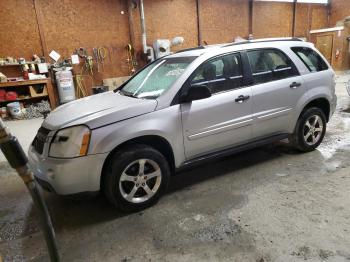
{"x": 264, "y": 40}
{"x": 191, "y": 49}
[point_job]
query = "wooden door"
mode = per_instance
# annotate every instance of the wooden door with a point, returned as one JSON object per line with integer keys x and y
{"x": 324, "y": 43}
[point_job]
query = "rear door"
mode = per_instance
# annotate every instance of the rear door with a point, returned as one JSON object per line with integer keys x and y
{"x": 320, "y": 74}
{"x": 277, "y": 88}
{"x": 225, "y": 118}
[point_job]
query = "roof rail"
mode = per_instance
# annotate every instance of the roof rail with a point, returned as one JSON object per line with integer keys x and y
{"x": 265, "y": 40}
{"x": 191, "y": 49}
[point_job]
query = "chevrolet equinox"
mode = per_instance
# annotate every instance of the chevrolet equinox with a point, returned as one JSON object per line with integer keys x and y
{"x": 181, "y": 109}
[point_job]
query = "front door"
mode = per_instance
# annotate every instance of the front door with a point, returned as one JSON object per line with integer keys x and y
{"x": 224, "y": 119}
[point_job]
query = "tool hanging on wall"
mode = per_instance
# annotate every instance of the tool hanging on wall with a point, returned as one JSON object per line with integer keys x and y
{"x": 130, "y": 53}
{"x": 89, "y": 64}
{"x": 81, "y": 52}
{"x": 100, "y": 54}
{"x": 81, "y": 87}
{"x": 95, "y": 53}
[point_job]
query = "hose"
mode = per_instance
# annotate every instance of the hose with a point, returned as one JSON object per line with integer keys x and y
{"x": 17, "y": 159}
{"x": 81, "y": 90}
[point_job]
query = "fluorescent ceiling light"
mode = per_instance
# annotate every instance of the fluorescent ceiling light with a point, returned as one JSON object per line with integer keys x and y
{"x": 313, "y": 1}
{"x": 299, "y": 1}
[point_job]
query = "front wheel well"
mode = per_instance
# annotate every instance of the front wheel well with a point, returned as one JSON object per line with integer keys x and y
{"x": 321, "y": 103}
{"x": 154, "y": 141}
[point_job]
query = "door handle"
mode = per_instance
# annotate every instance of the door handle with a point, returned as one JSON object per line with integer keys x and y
{"x": 241, "y": 99}
{"x": 295, "y": 85}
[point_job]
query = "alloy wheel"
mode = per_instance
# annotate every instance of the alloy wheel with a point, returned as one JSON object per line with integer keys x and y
{"x": 140, "y": 180}
{"x": 313, "y": 129}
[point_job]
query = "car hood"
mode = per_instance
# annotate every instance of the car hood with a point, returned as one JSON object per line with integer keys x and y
{"x": 98, "y": 110}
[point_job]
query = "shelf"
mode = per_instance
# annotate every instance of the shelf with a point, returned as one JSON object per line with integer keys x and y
{"x": 20, "y": 84}
{"x": 30, "y": 63}
{"x": 23, "y": 99}
{"x": 24, "y": 83}
{"x": 5, "y": 65}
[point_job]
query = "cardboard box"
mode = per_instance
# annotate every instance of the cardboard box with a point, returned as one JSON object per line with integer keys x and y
{"x": 38, "y": 90}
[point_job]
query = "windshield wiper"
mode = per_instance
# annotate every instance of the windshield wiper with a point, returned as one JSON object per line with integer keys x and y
{"x": 129, "y": 94}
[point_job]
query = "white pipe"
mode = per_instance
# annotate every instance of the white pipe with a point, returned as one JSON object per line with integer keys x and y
{"x": 143, "y": 28}
{"x": 146, "y": 49}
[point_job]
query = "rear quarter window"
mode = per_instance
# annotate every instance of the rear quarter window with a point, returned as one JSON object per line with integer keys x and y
{"x": 311, "y": 59}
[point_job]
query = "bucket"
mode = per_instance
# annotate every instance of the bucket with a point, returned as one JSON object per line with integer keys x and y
{"x": 15, "y": 110}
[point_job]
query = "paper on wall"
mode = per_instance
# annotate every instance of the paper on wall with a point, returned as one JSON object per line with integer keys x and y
{"x": 54, "y": 55}
{"x": 75, "y": 59}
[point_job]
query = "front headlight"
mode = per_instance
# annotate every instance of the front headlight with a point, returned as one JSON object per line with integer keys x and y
{"x": 70, "y": 142}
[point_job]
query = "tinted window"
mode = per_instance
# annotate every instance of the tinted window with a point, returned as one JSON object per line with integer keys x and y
{"x": 219, "y": 74}
{"x": 310, "y": 58}
{"x": 269, "y": 65}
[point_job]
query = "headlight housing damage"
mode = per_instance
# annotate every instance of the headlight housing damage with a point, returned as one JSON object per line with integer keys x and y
{"x": 70, "y": 142}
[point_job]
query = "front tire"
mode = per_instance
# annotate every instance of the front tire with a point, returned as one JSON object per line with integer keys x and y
{"x": 310, "y": 130}
{"x": 136, "y": 178}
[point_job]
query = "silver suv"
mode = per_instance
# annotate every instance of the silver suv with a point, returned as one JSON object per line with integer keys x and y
{"x": 183, "y": 109}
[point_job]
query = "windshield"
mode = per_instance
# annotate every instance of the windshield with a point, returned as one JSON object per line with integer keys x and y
{"x": 156, "y": 78}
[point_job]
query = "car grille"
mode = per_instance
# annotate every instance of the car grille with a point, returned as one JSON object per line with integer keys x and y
{"x": 40, "y": 139}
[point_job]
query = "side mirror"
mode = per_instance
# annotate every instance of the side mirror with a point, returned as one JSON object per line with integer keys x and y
{"x": 196, "y": 93}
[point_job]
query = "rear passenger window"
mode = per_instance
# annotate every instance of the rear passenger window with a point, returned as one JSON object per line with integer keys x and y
{"x": 310, "y": 58}
{"x": 270, "y": 65}
{"x": 219, "y": 74}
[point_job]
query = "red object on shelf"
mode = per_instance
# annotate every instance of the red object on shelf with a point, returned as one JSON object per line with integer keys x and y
{"x": 11, "y": 96}
{"x": 2, "y": 95}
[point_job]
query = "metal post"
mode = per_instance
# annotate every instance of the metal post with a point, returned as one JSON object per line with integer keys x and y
{"x": 199, "y": 28}
{"x": 294, "y": 17}
{"x": 250, "y": 17}
{"x": 329, "y": 12}
{"x": 17, "y": 159}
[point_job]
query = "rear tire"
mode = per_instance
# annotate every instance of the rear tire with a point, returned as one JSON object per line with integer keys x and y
{"x": 136, "y": 178}
{"x": 310, "y": 130}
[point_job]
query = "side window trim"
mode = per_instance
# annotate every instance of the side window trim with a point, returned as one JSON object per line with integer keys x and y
{"x": 208, "y": 82}
{"x": 263, "y": 73}
{"x": 282, "y": 69}
{"x": 235, "y": 77}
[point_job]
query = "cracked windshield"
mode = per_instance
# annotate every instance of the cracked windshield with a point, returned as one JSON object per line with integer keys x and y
{"x": 156, "y": 78}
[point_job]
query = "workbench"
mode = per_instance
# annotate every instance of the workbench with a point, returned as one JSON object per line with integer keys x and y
{"x": 17, "y": 85}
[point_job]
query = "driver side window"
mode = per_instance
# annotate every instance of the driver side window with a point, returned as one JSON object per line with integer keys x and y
{"x": 219, "y": 74}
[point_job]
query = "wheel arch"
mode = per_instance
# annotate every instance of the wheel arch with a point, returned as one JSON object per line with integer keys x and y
{"x": 157, "y": 142}
{"x": 321, "y": 103}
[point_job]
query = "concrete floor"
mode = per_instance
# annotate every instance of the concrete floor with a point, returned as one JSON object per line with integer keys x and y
{"x": 24, "y": 130}
{"x": 268, "y": 204}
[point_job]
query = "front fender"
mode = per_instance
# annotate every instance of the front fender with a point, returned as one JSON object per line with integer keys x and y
{"x": 165, "y": 123}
